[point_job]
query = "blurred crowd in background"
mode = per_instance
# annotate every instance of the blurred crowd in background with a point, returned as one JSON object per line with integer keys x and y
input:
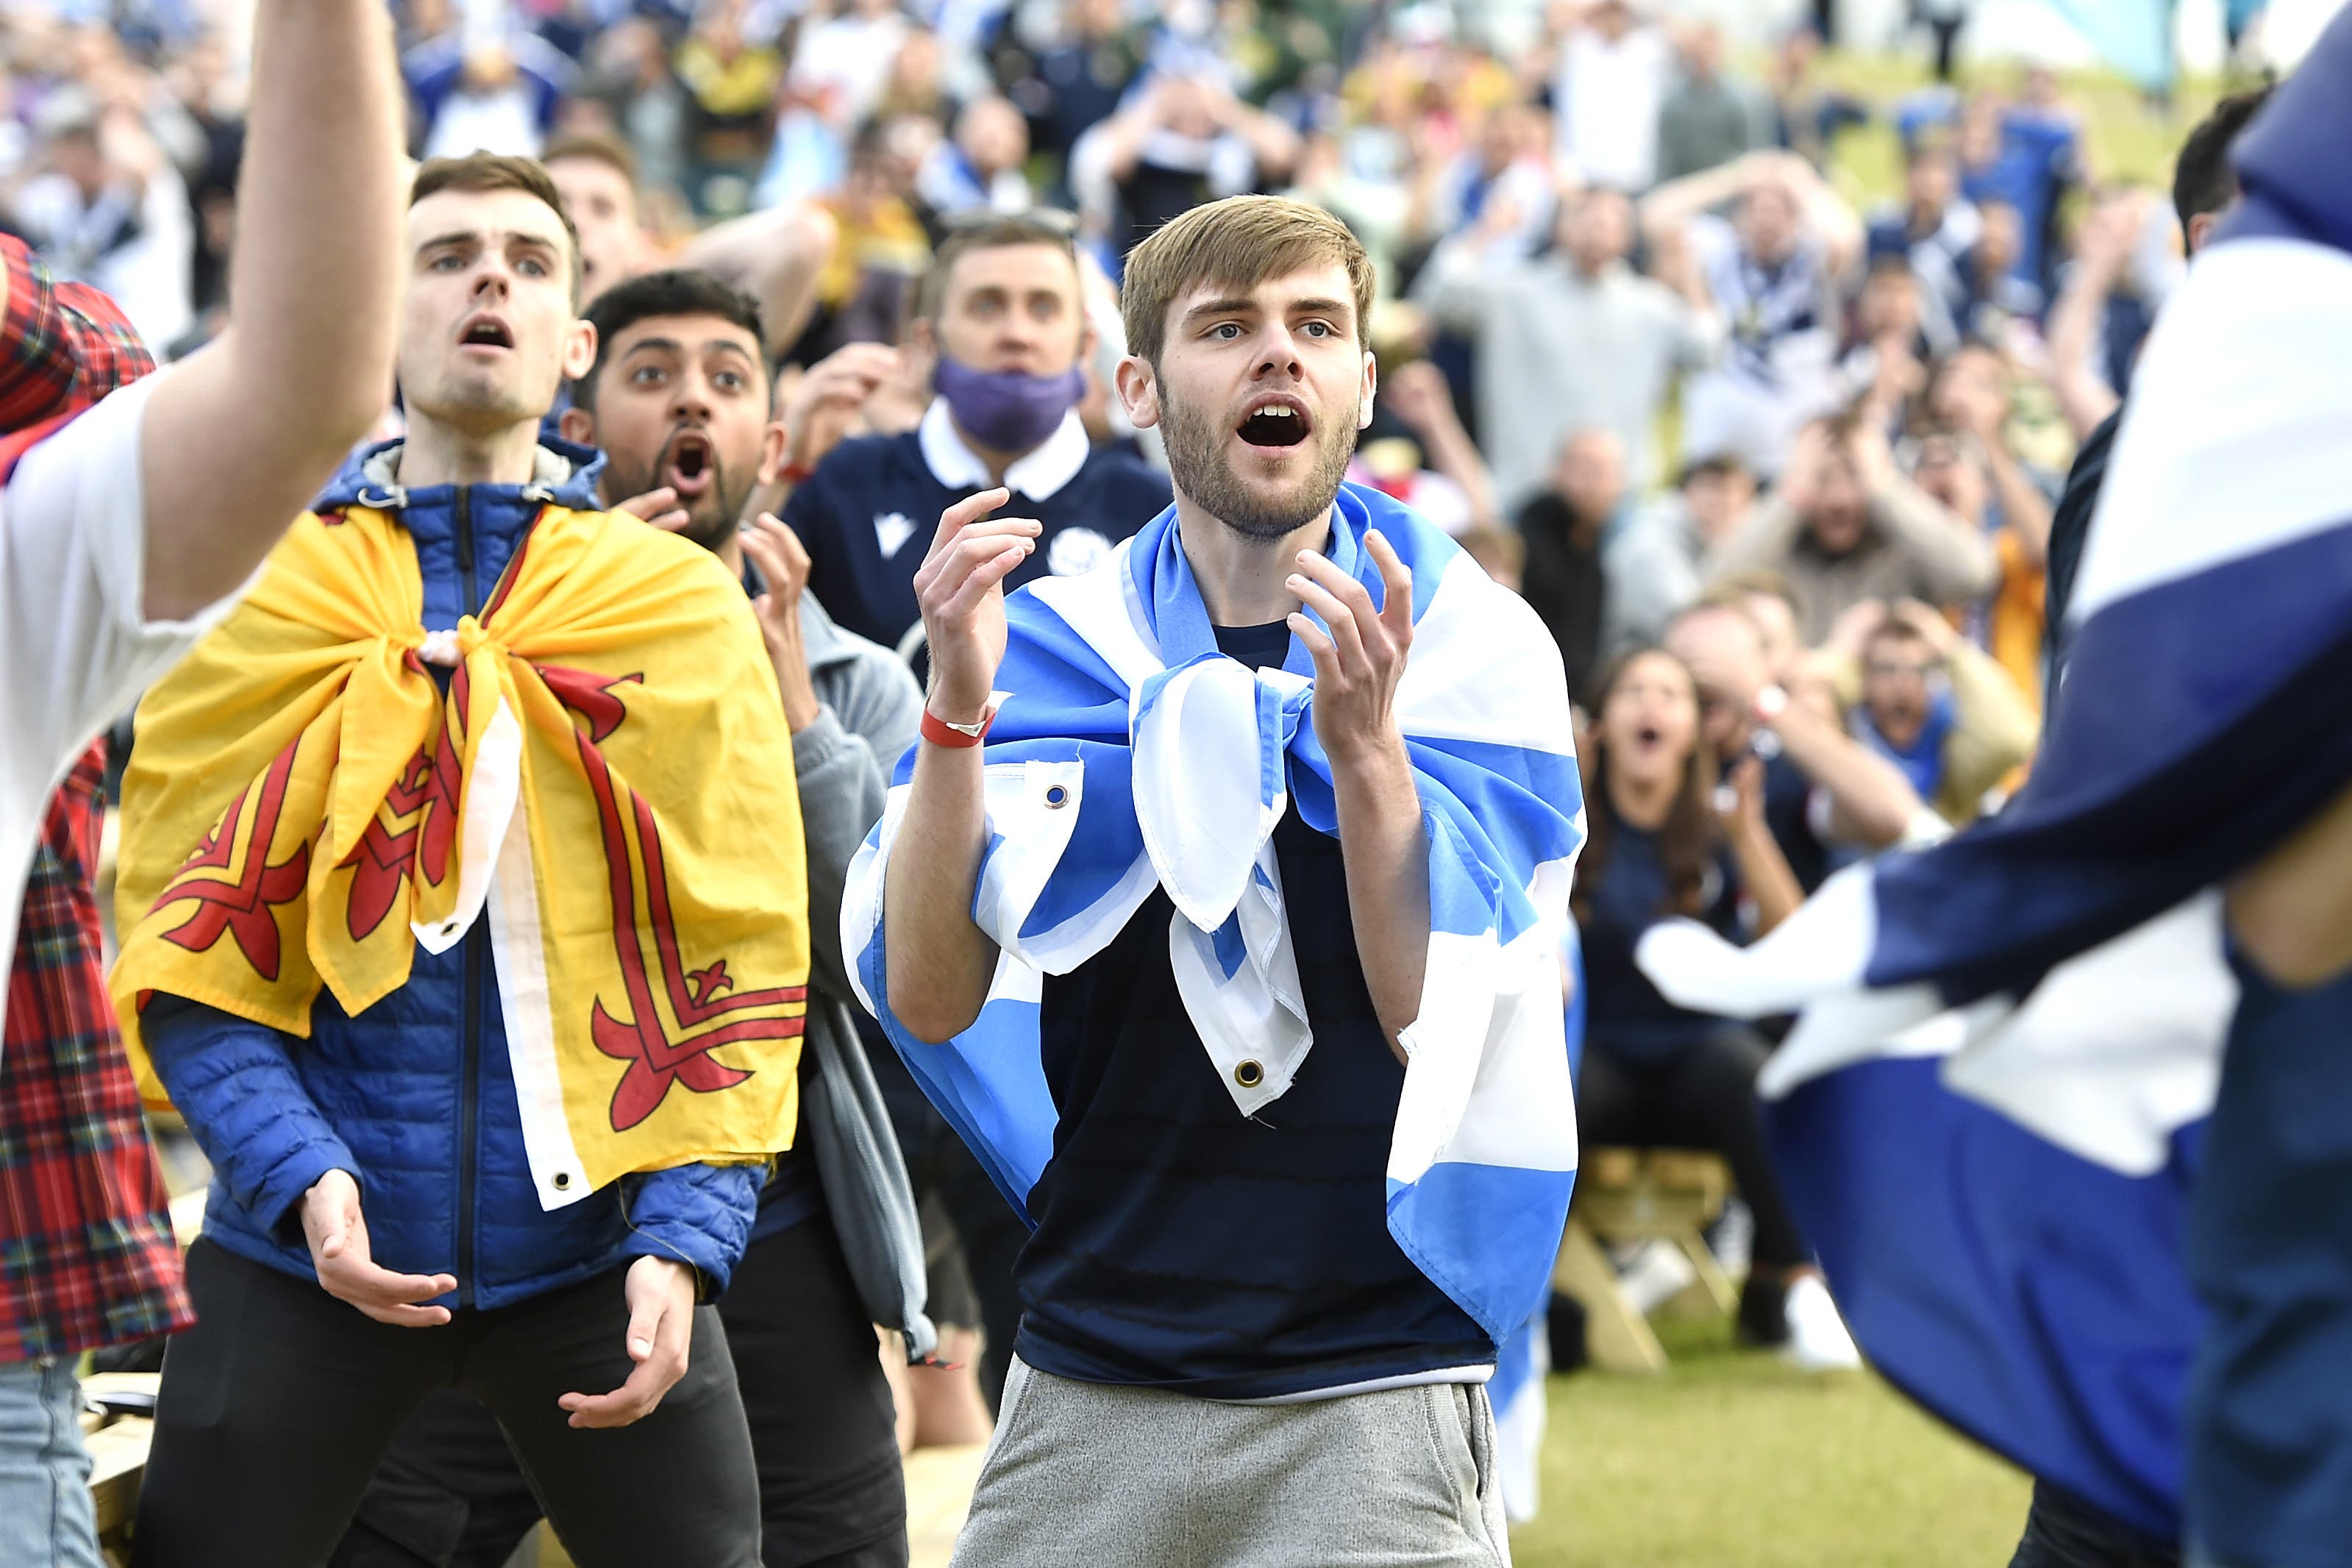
{"x": 1773, "y": 455}
{"x": 1638, "y": 332}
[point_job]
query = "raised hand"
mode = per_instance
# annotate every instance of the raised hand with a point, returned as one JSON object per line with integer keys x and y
{"x": 1417, "y": 393}
{"x": 777, "y": 552}
{"x": 825, "y": 406}
{"x": 338, "y": 1235}
{"x": 1932, "y": 624}
{"x": 658, "y": 507}
{"x": 1739, "y": 798}
{"x": 960, "y": 587}
{"x": 660, "y": 1297}
{"x": 1359, "y": 662}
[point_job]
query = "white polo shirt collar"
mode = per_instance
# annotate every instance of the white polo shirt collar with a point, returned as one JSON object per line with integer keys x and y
{"x": 1037, "y": 474}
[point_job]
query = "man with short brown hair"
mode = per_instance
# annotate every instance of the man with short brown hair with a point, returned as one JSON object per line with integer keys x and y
{"x": 490, "y": 1088}
{"x": 1001, "y": 317}
{"x": 1174, "y": 1022}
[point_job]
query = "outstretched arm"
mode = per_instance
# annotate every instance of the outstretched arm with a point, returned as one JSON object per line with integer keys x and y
{"x": 776, "y": 257}
{"x": 242, "y": 435}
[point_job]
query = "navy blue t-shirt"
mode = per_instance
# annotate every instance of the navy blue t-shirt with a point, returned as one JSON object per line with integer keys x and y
{"x": 1625, "y": 895}
{"x": 868, "y": 514}
{"x": 2270, "y": 1251}
{"x": 1182, "y": 1245}
{"x": 1788, "y": 813}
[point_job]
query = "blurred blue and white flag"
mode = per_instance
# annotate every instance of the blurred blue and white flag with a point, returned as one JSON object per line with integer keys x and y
{"x": 1990, "y": 1115}
{"x": 1523, "y": 1361}
{"x": 1131, "y": 754}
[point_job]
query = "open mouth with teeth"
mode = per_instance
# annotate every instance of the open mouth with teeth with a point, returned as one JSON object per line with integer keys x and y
{"x": 487, "y": 333}
{"x": 1277, "y": 425}
{"x": 691, "y": 465}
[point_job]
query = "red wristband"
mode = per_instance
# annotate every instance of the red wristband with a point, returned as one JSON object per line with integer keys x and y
{"x": 939, "y": 732}
{"x": 795, "y": 474}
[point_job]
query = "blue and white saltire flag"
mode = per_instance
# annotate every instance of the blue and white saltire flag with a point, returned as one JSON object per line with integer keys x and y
{"x": 1989, "y": 1116}
{"x": 1129, "y": 753}
{"x": 1523, "y": 1361}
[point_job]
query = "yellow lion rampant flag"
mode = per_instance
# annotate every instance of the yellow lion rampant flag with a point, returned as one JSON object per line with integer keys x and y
{"x": 608, "y": 781}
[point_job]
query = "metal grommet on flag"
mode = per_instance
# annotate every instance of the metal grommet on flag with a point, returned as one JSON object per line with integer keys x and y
{"x": 562, "y": 1180}
{"x": 1057, "y": 797}
{"x": 1248, "y": 1074}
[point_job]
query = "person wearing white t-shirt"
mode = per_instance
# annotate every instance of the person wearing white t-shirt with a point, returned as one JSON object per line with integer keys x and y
{"x": 100, "y": 592}
{"x": 1611, "y": 77}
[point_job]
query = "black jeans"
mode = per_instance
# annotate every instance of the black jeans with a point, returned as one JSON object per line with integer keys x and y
{"x": 833, "y": 1490}
{"x": 277, "y": 1405}
{"x": 2063, "y": 1531}
{"x": 1701, "y": 1098}
{"x": 832, "y": 1493}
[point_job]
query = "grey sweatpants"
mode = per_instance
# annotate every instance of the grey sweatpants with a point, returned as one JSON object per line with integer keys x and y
{"x": 1083, "y": 1475}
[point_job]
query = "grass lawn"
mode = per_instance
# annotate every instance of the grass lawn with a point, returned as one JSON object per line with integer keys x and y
{"x": 2128, "y": 141}
{"x": 1732, "y": 1460}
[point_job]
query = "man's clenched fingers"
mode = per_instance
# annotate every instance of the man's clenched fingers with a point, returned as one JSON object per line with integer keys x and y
{"x": 965, "y": 511}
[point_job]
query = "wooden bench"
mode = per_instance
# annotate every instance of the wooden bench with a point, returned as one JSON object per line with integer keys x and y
{"x": 1626, "y": 1195}
{"x": 117, "y": 1458}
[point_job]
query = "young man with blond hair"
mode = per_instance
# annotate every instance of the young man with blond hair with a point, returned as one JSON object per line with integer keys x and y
{"x": 1227, "y": 951}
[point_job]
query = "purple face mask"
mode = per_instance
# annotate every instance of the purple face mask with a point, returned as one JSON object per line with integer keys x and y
{"x": 1005, "y": 409}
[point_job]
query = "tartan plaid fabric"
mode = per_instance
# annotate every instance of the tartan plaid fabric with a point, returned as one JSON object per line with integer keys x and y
{"x": 62, "y": 345}
{"x": 86, "y": 1257}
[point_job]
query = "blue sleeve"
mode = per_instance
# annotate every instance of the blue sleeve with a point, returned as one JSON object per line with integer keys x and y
{"x": 233, "y": 1083}
{"x": 699, "y": 1214}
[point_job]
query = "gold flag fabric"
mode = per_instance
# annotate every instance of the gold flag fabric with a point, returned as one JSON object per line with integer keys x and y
{"x": 607, "y": 780}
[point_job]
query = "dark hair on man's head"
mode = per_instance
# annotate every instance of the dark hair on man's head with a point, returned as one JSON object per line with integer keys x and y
{"x": 1933, "y": 146}
{"x": 2204, "y": 180}
{"x": 1720, "y": 466}
{"x": 1893, "y": 627}
{"x": 869, "y": 145}
{"x": 1689, "y": 838}
{"x": 679, "y": 292}
{"x": 479, "y": 172}
{"x": 596, "y": 145}
{"x": 990, "y": 231}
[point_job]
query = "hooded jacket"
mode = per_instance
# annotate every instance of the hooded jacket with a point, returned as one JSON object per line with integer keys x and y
{"x": 415, "y": 1097}
{"x": 871, "y": 711}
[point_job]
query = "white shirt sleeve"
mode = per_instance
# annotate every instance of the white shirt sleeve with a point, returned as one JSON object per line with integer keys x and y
{"x": 71, "y": 599}
{"x": 77, "y": 644}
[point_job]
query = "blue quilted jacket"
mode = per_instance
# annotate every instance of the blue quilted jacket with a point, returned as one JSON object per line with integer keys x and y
{"x": 415, "y": 1097}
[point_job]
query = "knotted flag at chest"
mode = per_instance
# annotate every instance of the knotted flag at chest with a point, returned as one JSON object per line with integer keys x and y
{"x": 607, "y": 779}
{"x": 1992, "y": 1116}
{"x": 1130, "y": 755}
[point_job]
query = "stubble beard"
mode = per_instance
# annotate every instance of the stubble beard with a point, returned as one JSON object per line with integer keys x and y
{"x": 712, "y": 521}
{"x": 1198, "y": 464}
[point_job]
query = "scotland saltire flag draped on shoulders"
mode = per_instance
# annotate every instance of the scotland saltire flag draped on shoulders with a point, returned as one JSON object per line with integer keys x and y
{"x": 1129, "y": 753}
{"x": 1988, "y": 1117}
